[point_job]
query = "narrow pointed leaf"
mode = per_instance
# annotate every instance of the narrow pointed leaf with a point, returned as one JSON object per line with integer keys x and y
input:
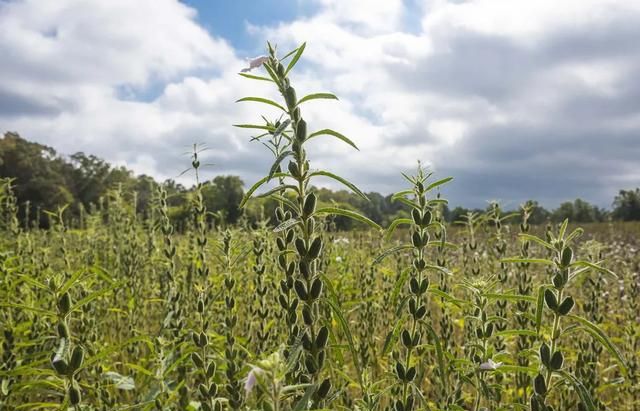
{"x": 295, "y": 58}
{"x": 342, "y": 181}
{"x": 262, "y": 100}
{"x": 348, "y": 213}
{"x": 335, "y": 134}
{"x": 317, "y": 96}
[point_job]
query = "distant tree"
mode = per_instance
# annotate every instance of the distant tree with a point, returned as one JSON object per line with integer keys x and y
{"x": 626, "y": 205}
{"x": 578, "y": 211}
{"x": 457, "y": 213}
{"x": 223, "y": 196}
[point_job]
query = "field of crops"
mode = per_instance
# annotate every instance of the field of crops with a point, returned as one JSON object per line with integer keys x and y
{"x": 124, "y": 312}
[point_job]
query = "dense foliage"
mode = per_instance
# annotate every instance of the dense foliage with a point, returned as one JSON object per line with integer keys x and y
{"x": 45, "y": 180}
{"x": 121, "y": 311}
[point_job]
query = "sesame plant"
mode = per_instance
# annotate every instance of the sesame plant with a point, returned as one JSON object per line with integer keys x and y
{"x": 115, "y": 309}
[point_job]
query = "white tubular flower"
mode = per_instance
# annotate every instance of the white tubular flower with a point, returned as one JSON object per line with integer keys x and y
{"x": 252, "y": 379}
{"x": 255, "y": 63}
{"x": 490, "y": 365}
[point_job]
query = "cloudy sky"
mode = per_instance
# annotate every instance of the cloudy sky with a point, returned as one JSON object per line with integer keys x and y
{"x": 516, "y": 99}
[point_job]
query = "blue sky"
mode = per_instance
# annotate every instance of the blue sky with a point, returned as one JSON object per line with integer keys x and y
{"x": 515, "y": 99}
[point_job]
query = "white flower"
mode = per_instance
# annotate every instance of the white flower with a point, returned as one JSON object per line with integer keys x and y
{"x": 490, "y": 365}
{"x": 255, "y": 63}
{"x": 338, "y": 259}
{"x": 252, "y": 379}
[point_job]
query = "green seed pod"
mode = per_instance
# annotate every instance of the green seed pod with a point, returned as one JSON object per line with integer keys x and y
{"x": 279, "y": 214}
{"x": 295, "y": 115}
{"x": 426, "y": 219}
{"x": 200, "y": 306}
{"x": 416, "y": 239}
{"x": 304, "y": 269}
{"x": 301, "y": 289}
{"x": 566, "y": 306}
{"x": 307, "y": 317}
{"x": 310, "y": 365}
{"x": 309, "y": 204}
{"x": 63, "y": 329}
{"x": 316, "y": 248}
{"x": 74, "y": 393}
{"x": 301, "y": 130}
{"x": 323, "y": 389}
{"x": 406, "y": 339}
{"x": 545, "y": 354}
{"x": 197, "y": 360}
{"x": 424, "y": 285}
{"x": 60, "y": 365}
{"x": 421, "y": 312}
{"x": 322, "y": 338}
{"x": 400, "y": 371}
{"x": 398, "y": 406}
{"x": 300, "y": 247}
{"x": 414, "y": 286}
{"x": 416, "y": 217}
{"x": 290, "y": 96}
{"x": 536, "y": 403}
{"x": 539, "y": 385}
{"x": 316, "y": 289}
{"x": 204, "y": 340}
{"x": 489, "y": 330}
{"x": 556, "y": 361}
{"x": 213, "y": 390}
{"x": 280, "y": 69}
{"x": 203, "y": 390}
{"x": 567, "y": 256}
{"x": 550, "y": 299}
{"x": 411, "y": 374}
{"x": 77, "y": 357}
{"x": 64, "y": 303}
{"x": 293, "y": 169}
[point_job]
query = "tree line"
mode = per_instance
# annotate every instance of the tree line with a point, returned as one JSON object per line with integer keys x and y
{"x": 43, "y": 180}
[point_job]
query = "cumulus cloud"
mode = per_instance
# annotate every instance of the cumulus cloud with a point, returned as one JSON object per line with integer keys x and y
{"x": 515, "y": 99}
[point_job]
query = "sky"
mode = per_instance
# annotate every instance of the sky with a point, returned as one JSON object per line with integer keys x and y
{"x": 516, "y": 99}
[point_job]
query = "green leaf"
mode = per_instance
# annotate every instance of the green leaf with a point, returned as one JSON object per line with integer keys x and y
{"x": 257, "y": 185}
{"x": 348, "y": 213}
{"x": 535, "y": 239}
{"x": 254, "y": 126}
{"x": 540, "y": 306}
{"x": 391, "y": 338}
{"x": 390, "y": 251}
{"x": 439, "y": 355}
{"x": 447, "y": 297}
{"x": 510, "y": 297}
{"x": 317, "y": 96}
{"x": 602, "y": 338}
{"x": 303, "y": 403}
{"x": 276, "y": 163}
{"x": 254, "y": 77}
{"x": 262, "y": 100}
{"x": 28, "y": 308}
{"x": 592, "y": 266}
{"x": 395, "y": 223}
{"x": 438, "y": 183}
{"x": 332, "y": 302}
{"x": 70, "y": 282}
{"x": 295, "y": 58}
{"x": 343, "y": 181}
{"x": 582, "y": 392}
{"x": 335, "y": 134}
